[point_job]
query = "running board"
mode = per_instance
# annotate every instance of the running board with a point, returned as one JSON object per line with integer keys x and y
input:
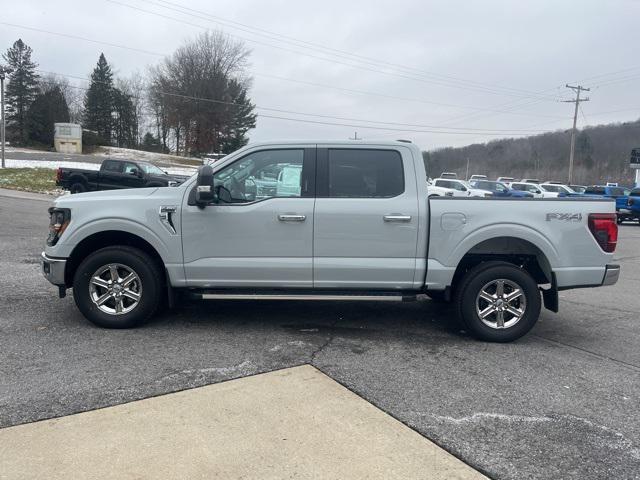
{"x": 305, "y": 297}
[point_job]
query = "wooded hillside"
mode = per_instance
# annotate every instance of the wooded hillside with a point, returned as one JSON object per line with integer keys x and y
{"x": 602, "y": 155}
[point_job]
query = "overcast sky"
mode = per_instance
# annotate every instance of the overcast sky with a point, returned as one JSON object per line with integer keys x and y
{"x": 489, "y": 65}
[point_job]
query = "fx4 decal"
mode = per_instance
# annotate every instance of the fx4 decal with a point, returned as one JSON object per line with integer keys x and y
{"x": 567, "y": 217}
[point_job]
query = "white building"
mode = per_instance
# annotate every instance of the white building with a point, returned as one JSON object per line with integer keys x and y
{"x": 67, "y": 137}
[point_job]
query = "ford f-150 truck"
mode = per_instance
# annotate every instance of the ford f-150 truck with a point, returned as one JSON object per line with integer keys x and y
{"x": 115, "y": 174}
{"x": 326, "y": 221}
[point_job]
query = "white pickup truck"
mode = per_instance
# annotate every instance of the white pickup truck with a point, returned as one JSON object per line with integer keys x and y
{"x": 326, "y": 221}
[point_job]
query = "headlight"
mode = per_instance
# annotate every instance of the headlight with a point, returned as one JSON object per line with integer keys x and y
{"x": 60, "y": 218}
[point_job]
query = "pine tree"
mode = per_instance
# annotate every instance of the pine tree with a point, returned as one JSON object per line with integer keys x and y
{"x": 49, "y": 107}
{"x": 241, "y": 120}
{"x": 21, "y": 91}
{"x": 98, "y": 101}
{"x": 124, "y": 123}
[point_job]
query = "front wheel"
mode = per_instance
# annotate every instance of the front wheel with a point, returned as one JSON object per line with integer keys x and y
{"x": 118, "y": 287}
{"x": 498, "y": 302}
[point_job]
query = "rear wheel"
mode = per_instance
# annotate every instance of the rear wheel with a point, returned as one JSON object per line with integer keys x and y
{"x": 498, "y": 302}
{"x": 118, "y": 287}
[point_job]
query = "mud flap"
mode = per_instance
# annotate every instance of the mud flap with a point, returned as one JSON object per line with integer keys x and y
{"x": 550, "y": 296}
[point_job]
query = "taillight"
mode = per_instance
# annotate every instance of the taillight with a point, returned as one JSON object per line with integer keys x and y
{"x": 58, "y": 174}
{"x": 604, "y": 228}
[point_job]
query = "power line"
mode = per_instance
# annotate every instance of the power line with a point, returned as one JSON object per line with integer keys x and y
{"x": 259, "y": 74}
{"x": 361, "y": 67}
{"x": 280, "y": 110}
{"x": 317, "y": 47}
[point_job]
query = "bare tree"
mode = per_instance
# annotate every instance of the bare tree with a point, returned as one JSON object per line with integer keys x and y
{"x": 200, "y": 94}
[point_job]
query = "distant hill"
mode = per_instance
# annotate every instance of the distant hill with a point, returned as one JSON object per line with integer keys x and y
{"x": 602, "y": 155}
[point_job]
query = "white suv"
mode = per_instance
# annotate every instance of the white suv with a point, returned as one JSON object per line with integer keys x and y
{"x": 461, "y": 188}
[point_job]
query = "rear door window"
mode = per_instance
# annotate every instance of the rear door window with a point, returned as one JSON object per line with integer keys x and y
{"x": 361, "y": 173}
{"x": 112, "y": 166}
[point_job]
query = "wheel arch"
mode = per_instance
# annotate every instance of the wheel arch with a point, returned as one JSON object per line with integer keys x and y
{"x": 515, "y": 250}
{"x": 107, "y": 238}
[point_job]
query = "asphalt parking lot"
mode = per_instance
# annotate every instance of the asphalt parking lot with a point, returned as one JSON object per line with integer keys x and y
{"x": 562, "y": 402}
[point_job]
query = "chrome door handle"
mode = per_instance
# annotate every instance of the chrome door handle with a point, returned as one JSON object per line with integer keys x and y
{"x": 397, "y": 218}
{"x": 292, "y": 218}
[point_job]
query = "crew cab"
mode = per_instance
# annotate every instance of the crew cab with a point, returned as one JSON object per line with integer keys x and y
{"x": 499, "y": 189}
{"x": 347, "y": 221}
{"x": 115, "y": 174}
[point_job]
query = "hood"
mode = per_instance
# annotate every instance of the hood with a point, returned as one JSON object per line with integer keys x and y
{"x": 106, "y": 195}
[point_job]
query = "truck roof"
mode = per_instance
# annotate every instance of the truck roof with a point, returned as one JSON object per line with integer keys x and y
{"x": 394, "y": 143}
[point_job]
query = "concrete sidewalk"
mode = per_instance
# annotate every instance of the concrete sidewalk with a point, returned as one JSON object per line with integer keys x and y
{"x": 292, "y": 423}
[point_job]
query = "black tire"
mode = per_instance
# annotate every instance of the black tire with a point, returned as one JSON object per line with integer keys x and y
{"x": 485, "y": 275}
{"x": 77, "y": 187}
{"x": 148, "y": 283}
{"x": 619, "y": 219}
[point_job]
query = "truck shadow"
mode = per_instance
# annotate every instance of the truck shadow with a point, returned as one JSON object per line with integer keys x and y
{"x": 355, "y": 318}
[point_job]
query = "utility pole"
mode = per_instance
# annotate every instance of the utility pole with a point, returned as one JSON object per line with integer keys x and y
{"x": 467, "y": 175}
{"x": 3, "y": 71}
{"x": 577, "y": 89}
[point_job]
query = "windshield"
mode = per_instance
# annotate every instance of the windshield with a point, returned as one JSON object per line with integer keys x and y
{"x": 150, "y": 169}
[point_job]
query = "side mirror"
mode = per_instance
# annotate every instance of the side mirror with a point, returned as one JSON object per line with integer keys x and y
{"x": 135, "y": 172}
{"x": 204, "y": 186}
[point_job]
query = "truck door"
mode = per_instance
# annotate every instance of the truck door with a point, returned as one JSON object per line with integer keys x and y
{"x": 366, "y": 218}
{"x": 133, "y": 176}
{"x": 263, "y": 237}
{"x": 110, "y": 175}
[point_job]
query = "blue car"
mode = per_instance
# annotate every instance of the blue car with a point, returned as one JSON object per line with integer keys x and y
{"x": 620, "y": 194}
{"x": 633, "y": 204}
{"x": 499, "y": 189}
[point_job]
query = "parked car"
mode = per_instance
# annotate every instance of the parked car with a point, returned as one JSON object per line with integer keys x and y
{"x": 536, "y": 190}
{"x": 560, "y": 189}
{"x": 115, "y": 174}
{"x": 449, "y": 175}
{"x": 360, "y": 228}
{"x": 477, "y": 177}
{"x": 461, "y": 188}
{"x": 499, "y": 189}
{"x": 506, "y": 180}
{"x": 633, "y": 204}
{"x": 433, "y": 191}
{"x": 620, "y": 194}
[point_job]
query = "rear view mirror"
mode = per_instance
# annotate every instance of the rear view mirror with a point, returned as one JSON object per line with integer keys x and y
{"x": 204, "y": 186}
